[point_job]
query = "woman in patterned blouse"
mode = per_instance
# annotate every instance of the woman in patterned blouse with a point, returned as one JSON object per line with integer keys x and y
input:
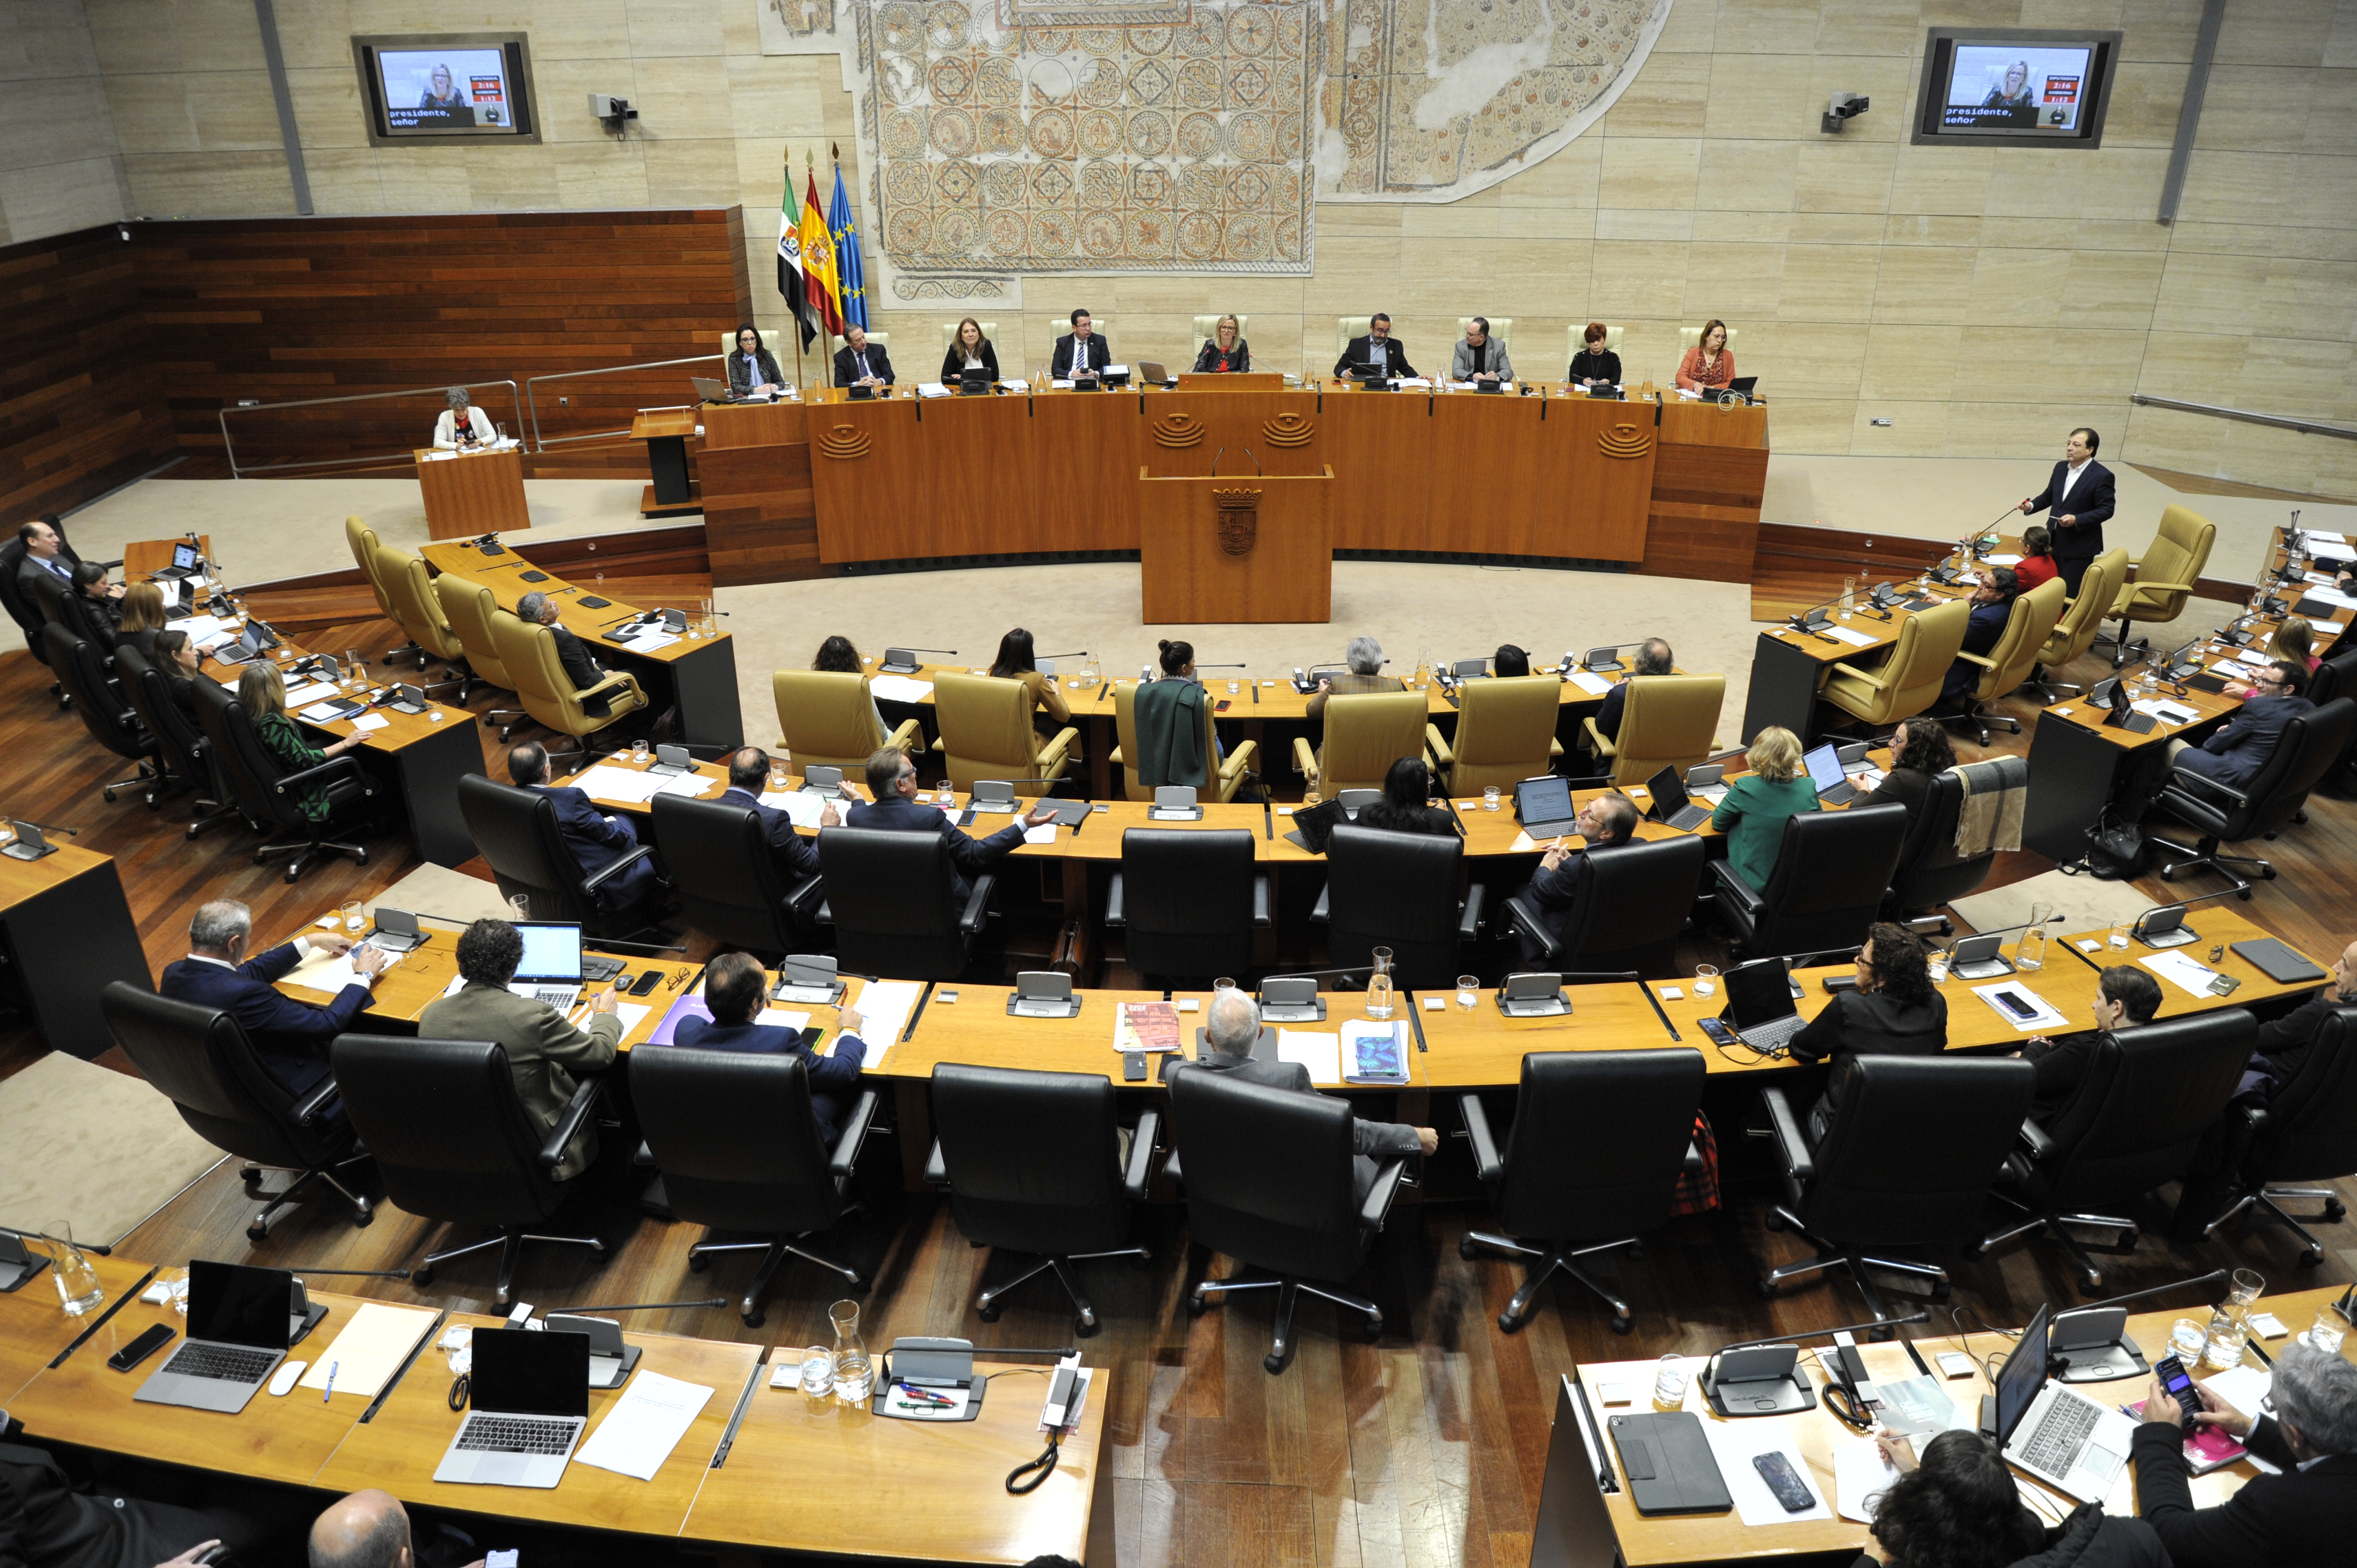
{"x": 1708, "y": 363}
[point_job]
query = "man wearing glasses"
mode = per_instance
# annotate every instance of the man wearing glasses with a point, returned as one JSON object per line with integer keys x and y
{"x": 2237, "y": 751}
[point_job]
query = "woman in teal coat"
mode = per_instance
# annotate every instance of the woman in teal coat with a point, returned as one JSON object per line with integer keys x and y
{"x": 1752, "y": 815}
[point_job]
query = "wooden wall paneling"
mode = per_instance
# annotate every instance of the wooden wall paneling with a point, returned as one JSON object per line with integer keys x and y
{"x": 1483, "y": 474}
{"x": 1714, "y": 425}
{"x": 761, "y": 517}
{"x": 1595, "y": 479}
{"x": 1706, "y": 512}
{"x": 984, "y": 469}
{"x": 874, "y": 486}
{"x": 1381, "y": 444}
{"x": 81, "y": 405}
{"x": 754, "y": 423}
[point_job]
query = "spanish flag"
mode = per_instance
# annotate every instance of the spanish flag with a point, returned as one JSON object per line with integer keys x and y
{"x": 818, "y": 262}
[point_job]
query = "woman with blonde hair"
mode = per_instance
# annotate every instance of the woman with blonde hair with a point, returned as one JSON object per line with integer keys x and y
{"x": 1225, "y": 350}
{"x": 262, "y": 691}
{"x": 143, "y": 617}
{"x": 1752, "y": 815}
{"x": 1709, "y": 365}
{"x": 2293, "y": 643}
{"x": 970, "y": 351}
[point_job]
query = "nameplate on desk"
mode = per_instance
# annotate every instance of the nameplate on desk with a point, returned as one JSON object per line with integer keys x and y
{"x": 1174, "y": 813}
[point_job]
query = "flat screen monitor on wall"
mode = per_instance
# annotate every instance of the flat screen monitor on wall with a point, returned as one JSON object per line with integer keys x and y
{"x": 2014, "y": 88}
{"x": 438, "y": 87}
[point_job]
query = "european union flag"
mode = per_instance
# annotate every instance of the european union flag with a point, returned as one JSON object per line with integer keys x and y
{"x": 851, "y": 278}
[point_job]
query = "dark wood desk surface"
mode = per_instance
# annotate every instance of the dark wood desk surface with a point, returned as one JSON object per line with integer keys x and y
{"x": 34, "y": 1326}
{"x": 504, "y": 575}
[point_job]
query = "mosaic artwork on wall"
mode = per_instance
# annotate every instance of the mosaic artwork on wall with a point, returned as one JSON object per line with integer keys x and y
{"x": 1006, "y": 137}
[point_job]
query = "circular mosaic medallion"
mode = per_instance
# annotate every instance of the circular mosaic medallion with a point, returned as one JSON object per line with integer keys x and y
{"x": 1103, "y": 42}
{"x": 997, "y": 82}
{"x": 946, "y": 26}
{"x": 904, "y": 133}
{"x": 904, "y": 180}
{"x": 1288, "y": 239}
{"x": 1100, "y": 133}
{"x": 1251, "y": 30}
{"x": 954, "y": 233}
{"x": 1006, "y": 231}
{"x": 1198, "y": 136}
{"x": 1149, "y": 236}
{"x": 1290, "y": 33}
{"x": 1051, "y": 186}
{"x": 1100, "y": 234}
{"x": 1052, "y": 234}
{"x": 1149, "y": 185}
{"x": 1147, "y": 40}
{"x": 1247, "y": 237}
{"x": 1102, "y": 184}
{"x": 1199, "y": 84}
{"x": 1149, "y": 133}
{"x": 959, "y": 181}
{"x": 907, "y": 230}
{"x": 953, "y": 131}
{"x": 900, "y": 80}
{"x": 1248, "y": 83}
{"x": 1284, "y": 88}
{"x": 1150, "y": 83}
{"x": 1284, "y": 189}
{"x": 1002, "y": 185}
{"x": 1100, "y": 83}
{"x": 1204, "y": 38}
{"x": 952, "y": 79}
{"x": 1250, "y": 136}
{"x": 1288, "y": 137}
{"x": 1001, "y": 132}
{"x": 1199, "y": 237}
{"x": 1050, "y": 81}
{"x": 1248, "y": 186}
{"x": 1199, "y": 189}
{"x": 1051, "y": 133}
{"x": 900, "y": 27}
{"x": 1047, "y": 40}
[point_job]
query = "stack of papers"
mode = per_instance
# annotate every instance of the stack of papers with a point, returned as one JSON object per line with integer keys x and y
{"x": 1594, "y": 685}
{"x": 1855, "y": 639}
{"x": 2167, "y": 713}
{"x": 609, "y": 783}
{"x": 2042, "y": 1014}
{"x": 931, "y": 389}
{"x": 803, "y": 809}
{"x": 900, "y": 688}
{"x": 645, "y": 1424}
{"x": 327, "y": 973}
{"x": 199, "y": 627}
{"x": 883, "y": 1007}
{"x": 1735, "y": 1443}
{"x": 1319, "y": 1050}
{"x": 1861, "y": 1475}
{"x": 370, "y": 1350}
{"x": 315, "y": 692}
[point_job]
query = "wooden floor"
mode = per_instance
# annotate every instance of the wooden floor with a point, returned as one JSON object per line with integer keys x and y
{"x": 1424, "y": 1447}
{"x": 2204, "y": 485}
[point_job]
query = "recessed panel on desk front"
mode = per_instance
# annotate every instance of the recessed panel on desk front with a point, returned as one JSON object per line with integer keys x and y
{"x": 986, "y": 469}
{"x": 732, "y": 424}
{"x": 1595, "y": 478}
{"x": 1085, "y": 452}
{"x": 873, "y": 482}
{"x": 1483, "y": 476}
{"x": 1381, "y": 444}
{"x": 1246, "y": 433}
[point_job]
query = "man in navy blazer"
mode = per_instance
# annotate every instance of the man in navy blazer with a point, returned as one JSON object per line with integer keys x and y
{"x": 594, "y": 837}
{"x": 1606, "y": 823}
{"x": 2237, "y": 751}
{"x": 2080, "y": 498}
{"x": 1654, "y": 658}
{"x": 290, "y": 1036}
{"x": 892, "y": 779}
{"x": 1992, "y": 608}
{"x": 734, "y": 988}
{"x": 797, "y": 857}
{"x": 1079, "y": 352}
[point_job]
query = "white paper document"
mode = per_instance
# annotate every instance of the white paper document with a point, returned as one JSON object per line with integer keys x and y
{"x": 931, "y": 389}
{"x": 2041, "y": 1014}
{"x": 691, "y": 785}
{"x": 1044, "y": 833}
{"x": 367, "y": 722}
{"x": 883, "y": 1007}
{"x": 898, "y": 688}
{"x": 779, "y": 1018}
{"x": 1319, "y": 1050}
{"x": 1734, "y": 1443}
{"x": 1855, "y": 639}
{"x": 2334, "y": 597}
{"x": 648, "y": 641}
{"x": 199, "y": 627}
{"x": 2186, "y": 973}
{"x": 320, "y": 714}
{"x": 1016, "y": 383}
{"x": 645, "y": 1424}
{"x": 1861, "y": 1475}
{"x": 2001, "y": 560}
{"x": 607, "y": 783}
{"x": 803, "y": 809}
{"x": 1594, "y": 685}
{"x": 325, "y": 973}
{"x": 318, "y": 690}
{"x": 370, "y": 1348}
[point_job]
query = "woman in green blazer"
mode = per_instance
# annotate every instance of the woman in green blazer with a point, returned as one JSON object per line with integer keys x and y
{"x": 263, "y": 692}
{"x": 1752, "y": 815}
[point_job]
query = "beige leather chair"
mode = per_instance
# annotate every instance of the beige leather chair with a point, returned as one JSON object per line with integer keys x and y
{"x": 364, "y": 544}
{"x": 1906, "y": 679}
{"x": 1505, "y": 732}
{"x": 1348, "y": 326}
{"x": 528, "y": 652}
{"x": 882, "y": 339}
{"x": 1366, "y": 731}
{"x": 1231, "y": 769}
{"x": 987, "y": 733}
{"x": 2007, "y": 665}
{"x": 1667, "y": 721}
{"x": 472, "y": 610}
{"x": 2165, "y": 575}
{"x": 419, "y": 612}
{"x": 1691, "y": 336}
{"x": 2081, "y": 620}
{"x": 949, "y": 334}
{"x": 1206, "y": 325}
{"x": 828, "y": 717}
{"x": 1574, "y": 341}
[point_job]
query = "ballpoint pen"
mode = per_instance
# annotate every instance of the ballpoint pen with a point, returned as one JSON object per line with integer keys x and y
{"x": 326, "y": 1393}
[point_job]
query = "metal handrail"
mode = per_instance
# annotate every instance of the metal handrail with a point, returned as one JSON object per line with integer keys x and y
{"x": 230, "y": 447}
{"x": 2281, "y": 422}
{"x": 541, "y": 444}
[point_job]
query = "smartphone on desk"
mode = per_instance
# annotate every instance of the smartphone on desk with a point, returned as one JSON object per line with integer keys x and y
{"x": 1718, "y": 1032}
{"x": 647, "y": 983}
{"x": 139, "y": 1349}
{"x": 1222, "y": 706}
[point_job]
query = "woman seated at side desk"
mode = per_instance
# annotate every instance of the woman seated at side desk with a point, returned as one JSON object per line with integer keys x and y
{"x": 462, "y": 426}
{"x": 1921, "y": 750}
{"x": 143, "y": 618}
{"x": 262, "y": 690}
{"x": 840, "y": 655}
{"x": 1753, "y": 813}
{"x": 1709, "y": 365}
{"x": 1406, "y": 806}
{"x": 2037, "y": 562}
{"x": 175, "y": 658}
{"x": 972, "y": 351}
{"x": 1895, "y": 1011}
{"x": 1018, "y": 661}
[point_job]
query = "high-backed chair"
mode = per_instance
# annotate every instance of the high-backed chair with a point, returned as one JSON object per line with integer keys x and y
{"x": 1575, "y": 342}
{"x": 409, "y": 590}
{"x": 201, "y": 1060}
{"x": 1906, "y": 1162}
{"x": 1690, "y": 338}
{"x": 1190, "y": 901}
{"x": 453, "y": 1142}
{"x": 989, "y": 335}
{"x": 2081, "y": 622}
{"x": 528, "y": 652}
{"x": 2306, "y": 1131}
{"x": 1366, "y": 731}
{"x": 1032, "y": 1161}
{"x": 2336, "y": 677}
{"x": 112, "y": 722}
{"x": 1906, "y": 679}
{"x": 1398, "y": 891}
{"x": 2306, "y": 749}
{"x": 1929, "y": 872}
{"x": 1628, "y": 906}
{"x": 180, "y": 746}
{"x": 473, "y": 612}
{"x": 516, "y": 832}
{"x": 881, "y": 340}
{"x": 2166, "y": 574}
{"x": 1592, "y": 1162}
{"x": 364, "y": 544}
{"x": 740, "y": 1151}
{"x": 1666, "y": 721}
{"x": 1271, "y": 1181}
{"x": 1348, "y": 326}
{"x": 2028, "y": 623}
{"x": 1833, "y": 869}
{"x": 891, "y": 901}
{"x": 1207, "y": 329}
{"x": 1505, "y": 732}
{"x": 986, "y": 724}
{"x": 728, "y": 882}
{"x": 269, "y": 799}
{"x": 828, "y": 717}
{"x": 1227, "y": 778}
{"x": 25, "y": 612}
{"x": 2149, "y": 1095}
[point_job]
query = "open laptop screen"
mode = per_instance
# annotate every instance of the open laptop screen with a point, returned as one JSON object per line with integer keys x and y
{"x": 520, "y": 1372}
{"x": 1669, "y": 791}
{"x": 236, "y": 1303}
{"x": 2018, "y": 1380}
{"x": 552, "y": 950}
{"x": 1825, "y": 767}
{"x": 1547, "y": 800}
{"x": 1758, "y": 992}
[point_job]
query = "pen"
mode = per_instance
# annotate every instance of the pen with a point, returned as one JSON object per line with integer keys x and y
{"x": 326, "y": 1392}
{"x": 1083, "y": 822}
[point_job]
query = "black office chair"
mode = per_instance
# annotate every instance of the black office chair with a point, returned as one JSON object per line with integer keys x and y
{"x": 80, "y": 617}
{"x": 2306, "y": 1131}
{"x": 30, "y": 611}
{"x": 2149, "y": 1095}
{"x": 1832, "y": 872}
{"x": 111, "y": 721}
{"x": 891, "y": 902}
{"x": 180, "y": 747}
{"x": 1398, "y": 891}
{"x": 1190, "y": 901}
{"x": 2336, "y": 677}
{"x": 269, "y": 800}
{"x": 516, "y": 830}
{"x": 2306, "y": 749}
{"x": 1032, "y": 1162}
{"x": 1929, "y": 872}
{"x": 1628, "y": 904}
{"x": 1272, "y": 1182}
{"x": 201, "y": 1060}
{"x": 729, "y": 884}
{"x": 733, "y": 1134}
{"x": 453, "y": 1142}
{"x": 1592, "y": 1162}
{"x": 1906, "y": 1162}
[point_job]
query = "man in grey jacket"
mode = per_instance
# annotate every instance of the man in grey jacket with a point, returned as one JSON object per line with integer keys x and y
{"x": 1479, "y": 357}
{"x": 543, "y": 1050}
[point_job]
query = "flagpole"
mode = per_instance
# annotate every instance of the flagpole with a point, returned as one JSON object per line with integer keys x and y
{"x": 795, "y": 331}
{"x": 825, "y": 354}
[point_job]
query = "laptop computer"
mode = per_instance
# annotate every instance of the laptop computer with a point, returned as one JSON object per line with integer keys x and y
{"x": 1824, "y": 763}
{"x": 1671, "y": 806}
{"x": 2056, "y": 1433}
{"x": 1743, "y": 384}
{"x": 1760, "y": 1004}
{"x": 1154, "y": 370}
{"x": 710, "y": 391}
{"x": 186, "y": 563}
{"x": 239, "y": 1324}
{"x": 1544, "y": 806}
{"x": 529, "y": 1400}
{"x": 551, "y": 969}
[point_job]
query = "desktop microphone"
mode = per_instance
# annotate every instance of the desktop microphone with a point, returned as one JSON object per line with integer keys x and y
{"x": 71, "y": 833}
{"x": 107, "y": 1252}
{"x": 1586, "y": 660}
{"x": 355, "y": 1273}
{"x": 951, "y": 652}
{"x": 1319, "y": 973}
{"x": 1083, "y": 653}
{"x": 639, "y": 1306}
{"x": 2112, "y": 1301}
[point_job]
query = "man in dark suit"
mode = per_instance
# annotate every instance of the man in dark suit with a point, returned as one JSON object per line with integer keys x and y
{"x": 2080, "y": 498}
{"x": 45, "y": 1517}
{"x": 290, "y": 1036}
{"x": 579, "y": 667}
{"x": 892, "y": 779}
{"x": 595, "y": 838}
{"x": 2237, "y": 751}
{"x": 48, "y": 564}
{"x": 1606, "y": 823}
{"x": 1654, "y": 658}
{"x": 861, "y": 363}
{"x": 2127, "y": 998}
{"x": 1080, "y": 354}
{"x": 735, "y": 987}
{"x": 1992, "y": 608}
{"x": 749, "y": 769}
{"x": 2304, "y": 1515}
{"x": 1377, "y": 348}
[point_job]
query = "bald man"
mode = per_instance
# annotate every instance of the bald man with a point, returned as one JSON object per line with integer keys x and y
{"x": 366, "y": 1530}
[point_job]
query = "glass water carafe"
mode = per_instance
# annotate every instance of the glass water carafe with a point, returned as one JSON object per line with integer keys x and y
{"x": 854, "y": 1374}
{"x": 1379, "y": 985}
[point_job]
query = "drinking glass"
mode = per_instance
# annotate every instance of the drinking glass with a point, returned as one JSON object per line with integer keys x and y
{"x": 778, "y": 780}
{"x": 1705, "y": 980}
{"x": 520, "y": 905}
{"x": 353, "y": 675}
{"x": 2030, "y": 954}
{"x": 1936, "y": 965}
{"x": 434, "y": 715}
{"x": 818, "y": 1372}
{"x": 1490, "y": 798}
{"x": 78, "y": 1287}
{"x": 2118, "y": 939}
{"x": 175, "y": 1281}
{"x": 2324, "y": 1334}
{"x": 948, "y": 797}
{"x": 2187, "y": 1337}
{"x": 354, "y": 916}
{"x": 1469, "y": 988}
{"x": 1379, "y": 985}
{"x": 1669, "y": 1383}
{"x": 2247, "y": 1287}
{"x": 854, "y": 1375}
{"x": 1234, "y": 687}
{"x": 1848, "y": 596}
{"x": 639, "y": 751}
{"x": 2224, "y": 1348}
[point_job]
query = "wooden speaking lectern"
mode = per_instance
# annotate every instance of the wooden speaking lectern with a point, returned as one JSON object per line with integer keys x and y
{"x": 1241, "y": 547}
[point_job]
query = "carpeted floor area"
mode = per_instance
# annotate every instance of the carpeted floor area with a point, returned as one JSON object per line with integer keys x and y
{"x": 2079, "y": 904}
{"x": 61, "y": 1121}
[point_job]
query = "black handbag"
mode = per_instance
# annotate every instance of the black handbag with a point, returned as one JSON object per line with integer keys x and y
{"x": 2116, "y": 850}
